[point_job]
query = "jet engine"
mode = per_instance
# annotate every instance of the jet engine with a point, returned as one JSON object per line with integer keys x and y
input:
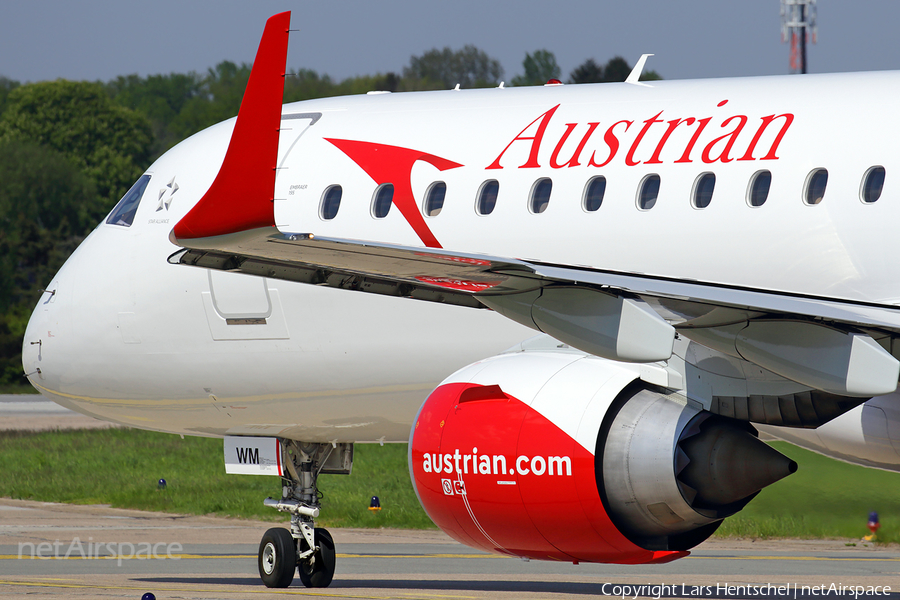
{"x": 562, "y": 456}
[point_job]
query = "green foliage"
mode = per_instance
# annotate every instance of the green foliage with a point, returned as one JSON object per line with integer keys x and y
{"x": 160, "y": 98}
{"x": 306, "y": 84}
{"x": 46, "y": 206}
{"x": 42, "y": 186}
{"x": 218, "y": 98}
{"x": 67, "y": 153}
{"x": 179, "y": 105}
{"x": 540, "y": 67}
{"x": 381, "y": 471}
{"x": 121, "y": 467}
{"x": 6, "y": 86}
{"x": 109, "y": 143}
{"x": 617, "y": 69}
{"x": 443, "y": 69}
{"x": 825, "y": 498}
{"x": 11, "y": 332}
{"x": 587, "y": 72}
{"x": 23, "y": 387}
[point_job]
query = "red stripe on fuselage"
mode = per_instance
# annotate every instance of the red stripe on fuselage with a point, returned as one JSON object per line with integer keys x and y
{"x": 393, "y": 164}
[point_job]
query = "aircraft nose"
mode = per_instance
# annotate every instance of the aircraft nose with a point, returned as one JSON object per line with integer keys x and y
{"x": 33, "y": 341}
{"x": 42, "y": 335}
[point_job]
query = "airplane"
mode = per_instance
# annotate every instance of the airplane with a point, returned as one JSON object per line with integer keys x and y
{"x": 578, "y": 304}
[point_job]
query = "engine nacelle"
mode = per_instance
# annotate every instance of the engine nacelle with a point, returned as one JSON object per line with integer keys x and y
{"x": 560, "y": 456}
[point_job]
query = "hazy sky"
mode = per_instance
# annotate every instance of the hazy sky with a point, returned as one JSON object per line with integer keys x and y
{"x": 100, "y": 39}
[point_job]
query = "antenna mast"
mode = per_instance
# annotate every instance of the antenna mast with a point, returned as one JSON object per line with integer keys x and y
{"x": 798, "y": 17}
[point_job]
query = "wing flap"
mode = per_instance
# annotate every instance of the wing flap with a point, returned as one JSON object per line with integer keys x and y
{"x": 446, "y": 277}
{"x": 685, "y": 304}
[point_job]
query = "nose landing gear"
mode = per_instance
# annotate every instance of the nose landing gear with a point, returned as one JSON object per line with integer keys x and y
{"x": 305, "y": 547}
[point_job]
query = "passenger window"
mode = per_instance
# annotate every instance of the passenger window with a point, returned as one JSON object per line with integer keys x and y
{"x": 381, "y": 201}
{"x": 873, "y": 183}
{"x": 703, "y": 190}
{"x": 758, "y": 190}
{"x": 648, "y": 191}
{"x": 815, "y": 186}
{"x": 331, "y": 202}
{"x": 540, "y": 195}
{"x": 434, "y": 198}
{"x": 593, "y": 193}
{"x": 487, "y": 197}
{"x": 123, "y": 213}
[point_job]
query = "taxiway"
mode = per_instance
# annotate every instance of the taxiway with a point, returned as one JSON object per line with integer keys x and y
{"x": 64, "y": 551}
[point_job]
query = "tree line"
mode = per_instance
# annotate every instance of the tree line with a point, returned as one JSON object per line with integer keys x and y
{"x": 70, "y": 149}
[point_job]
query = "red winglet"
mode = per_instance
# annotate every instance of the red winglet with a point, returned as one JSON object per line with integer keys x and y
{"x": 241, "y": 197}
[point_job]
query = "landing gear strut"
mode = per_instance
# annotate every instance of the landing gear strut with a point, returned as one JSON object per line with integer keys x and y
{"x": 305, "y": 547}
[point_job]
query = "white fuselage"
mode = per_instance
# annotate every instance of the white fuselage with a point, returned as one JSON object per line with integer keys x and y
{"x": 131, "y": 338}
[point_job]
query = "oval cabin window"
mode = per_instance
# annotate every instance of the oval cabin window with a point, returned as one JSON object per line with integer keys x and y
{"x": 540, "y": 195}
{"x": 593, "y": 193}
{"x": 873, "y": 183}
{"x": 487, "y": 197}
{"x": 648, "y": 192}
{"x": 703, "y": 190}
{"x": 816, "y": 182}
{"x": 434, "y": 198}
{"x": 381, "y": 201}
{"x": 758, "y": 190}
{"x": 331, "y": 202}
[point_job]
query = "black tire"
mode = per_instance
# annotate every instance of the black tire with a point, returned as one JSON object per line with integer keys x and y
{"x": 277, "y": 558}
{"x": 321, "y": 572}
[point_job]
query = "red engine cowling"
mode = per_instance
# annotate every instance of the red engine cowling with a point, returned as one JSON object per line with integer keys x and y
{"x": 560, "y": 456}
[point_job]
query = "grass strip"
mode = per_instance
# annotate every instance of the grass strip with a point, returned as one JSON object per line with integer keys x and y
{"x": 17, "y": 388}
{"x": 825, "y": 498}
{"x": 120, "y": 467}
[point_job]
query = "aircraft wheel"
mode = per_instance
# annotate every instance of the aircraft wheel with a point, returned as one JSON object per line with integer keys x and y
{"x": 318, "y": 572}
{"x": 277, "y": 558}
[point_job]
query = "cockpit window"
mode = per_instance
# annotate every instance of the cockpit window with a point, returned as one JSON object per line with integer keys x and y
{"x": 123, "y": 213}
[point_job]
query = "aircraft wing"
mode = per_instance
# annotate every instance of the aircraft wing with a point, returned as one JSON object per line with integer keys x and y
{"x": 420, "y": 273}
{"x": 833, "y": 345}
{"x": 474, "y": 279}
